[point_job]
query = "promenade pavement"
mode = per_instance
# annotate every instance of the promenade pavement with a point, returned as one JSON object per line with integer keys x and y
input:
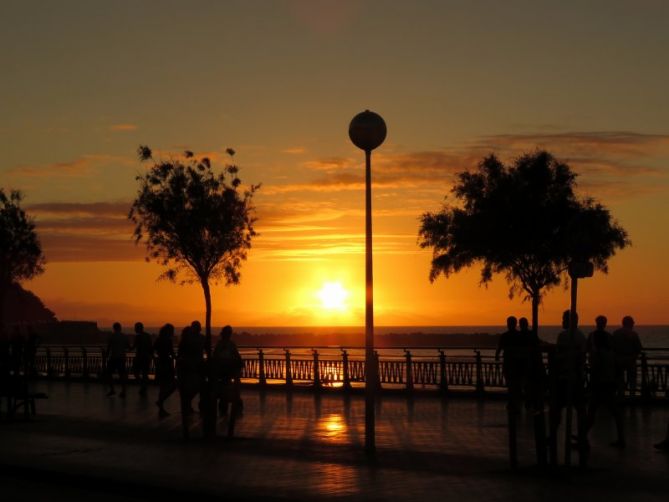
{"x": 83, "y": 445}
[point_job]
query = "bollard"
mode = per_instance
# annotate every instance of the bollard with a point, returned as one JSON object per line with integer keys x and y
{"x": 346, "y": 376}
{"x": 262, "y": 379}
{"x": 409, "y": 370}
{"x": 289, "y": 376}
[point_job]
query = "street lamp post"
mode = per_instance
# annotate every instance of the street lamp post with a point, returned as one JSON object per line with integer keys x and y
{"x": 367, "y": 131}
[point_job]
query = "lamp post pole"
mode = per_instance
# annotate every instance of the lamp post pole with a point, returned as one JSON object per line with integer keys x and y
{"x": 367, "y": 131}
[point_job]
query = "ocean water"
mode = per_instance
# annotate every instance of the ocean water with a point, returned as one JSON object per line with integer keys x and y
{"x": 652, "y": 336}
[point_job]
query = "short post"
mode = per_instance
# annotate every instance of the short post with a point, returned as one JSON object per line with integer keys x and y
{"x": 317, "y": 373}
{"x": 289, "y": 376}
{"x": 480, "y": 389}
{"x": 377, "y": 371}
{"x": 66, "y": 353}
{"x": 443, "y": 383}
{"x": 346, "y": 376}
{"x": 409, "y": 370}
{"x": 84, "y": 356}
{"x": 262, "y": 379}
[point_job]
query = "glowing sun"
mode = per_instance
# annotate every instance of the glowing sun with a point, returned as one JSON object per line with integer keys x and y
{"x": 333, "y": 296}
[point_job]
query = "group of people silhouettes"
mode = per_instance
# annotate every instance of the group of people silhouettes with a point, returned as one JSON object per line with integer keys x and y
{"x": 612, "y": 362}
{"x": 186, "y": 370}
{"x": 18, "y": 351}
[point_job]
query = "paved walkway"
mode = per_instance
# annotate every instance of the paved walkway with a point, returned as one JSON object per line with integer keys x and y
{"x": 83, "y": 445}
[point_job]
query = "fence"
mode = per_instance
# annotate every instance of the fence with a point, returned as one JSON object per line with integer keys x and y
{"x": 431, "y": 368}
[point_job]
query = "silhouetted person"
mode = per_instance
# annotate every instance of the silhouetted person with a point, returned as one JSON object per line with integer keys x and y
{"x": 227, "y": 369}
{"x": 32, "y": 342}
{"x": 627, "y": 347}
{"x": 515, "y": 346}
{"x": 569, "y": 378}
{"x": 116, "y": 349}
{"x": 603, "y": 378}
{"x": 190, "y": 365}
{"x": 143, "y": 356}
{"x": 17, "y": 346}
{"x": 535, "y": 382}
{"x": 164, "y": 349}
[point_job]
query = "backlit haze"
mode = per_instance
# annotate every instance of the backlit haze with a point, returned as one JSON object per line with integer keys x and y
{"x": 84, "y": 83}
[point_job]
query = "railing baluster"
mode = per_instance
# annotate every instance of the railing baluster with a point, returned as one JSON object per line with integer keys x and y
{"x": 289, "y": 376}
{"x": 645, "y": 388}
{"x": 84, "y": 355}
{"x": 66, "y": 353}
{"x": 262, "y": 379}
{"x": 443, "y": 382}
{"x": 317, "y": 373}
{"x": 409, "y": 370}
{"x": 345, "y": 370}
{"x": 479, "y": 373}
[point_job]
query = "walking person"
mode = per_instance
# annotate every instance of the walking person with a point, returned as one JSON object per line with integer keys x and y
{"x": 627, "y": 347}
{"x": 164, "y": 349}
{"x": 117, "y": 347}
{"x": 143, "y": 357}
{"x": 603, "y": 378}
{"x": 228, "y": 365}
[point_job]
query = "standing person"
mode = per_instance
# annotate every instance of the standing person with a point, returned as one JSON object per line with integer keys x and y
{"x": 515, "y": 346}
{"x": 116, "y": 349}
{"x": 627, "y": 346}
{"x": 143, "y": 356}
{"x": 569, "y": 373}
{"x": 190, "y": 365}
{"x": 228, "y": 365}
{"x": 603, "y": 378}
{"x": 535, "y": 381}
{"x": 164, "y": 349}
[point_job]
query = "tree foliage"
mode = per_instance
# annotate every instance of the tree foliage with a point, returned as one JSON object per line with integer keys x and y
{"x": 21, "y": 254}
{"x": 522, "y": 220}
{"x": 196, "y": 222}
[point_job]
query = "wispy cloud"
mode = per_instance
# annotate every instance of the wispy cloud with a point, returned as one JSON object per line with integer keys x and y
{"x": 123, "y": 127}
{"x": 97, "y": 231}
{"x": 295, "y": 150}
{"x": 598, "y": 154}
{"x": 80, "y": 167}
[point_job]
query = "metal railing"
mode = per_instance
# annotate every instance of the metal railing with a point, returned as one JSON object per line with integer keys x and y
{"x": 431, "y": 368}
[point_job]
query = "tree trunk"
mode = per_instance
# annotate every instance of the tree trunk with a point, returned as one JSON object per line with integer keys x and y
{"x": 207, "y": 319}
{"x": 535, "y": 312}
{"x": 207, "y": 400}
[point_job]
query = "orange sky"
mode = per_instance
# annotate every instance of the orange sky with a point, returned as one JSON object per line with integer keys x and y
{"x": 279, "y": 82}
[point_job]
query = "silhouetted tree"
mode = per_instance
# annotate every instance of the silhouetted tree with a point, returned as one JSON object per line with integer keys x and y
{"x": 20, "y": 250}
{"x": 196, "y": 222}
{"x": 522, "y": 220}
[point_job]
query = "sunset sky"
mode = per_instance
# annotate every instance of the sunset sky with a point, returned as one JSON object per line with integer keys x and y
{"x": 83, "y": 83}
